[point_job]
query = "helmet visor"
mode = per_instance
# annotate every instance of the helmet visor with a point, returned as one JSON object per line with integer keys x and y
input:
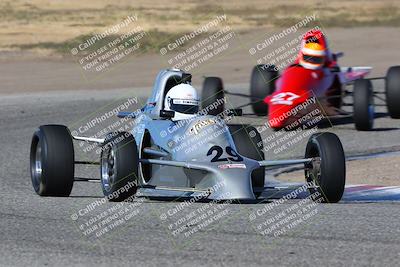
{"x": 316, "y": 60}
{"x": 185, "y": 106}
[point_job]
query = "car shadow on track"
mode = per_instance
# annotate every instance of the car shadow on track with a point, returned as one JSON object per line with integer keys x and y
{"x": 328, "y": 123}
{"x": 183, "y": 199}
{"x": 87, "y": 196}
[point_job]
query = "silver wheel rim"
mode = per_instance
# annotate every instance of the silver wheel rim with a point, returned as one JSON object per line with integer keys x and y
{"x": 313, "y": 174}
{"x": 371, "y": 109}
{"x": 371, "y": 114}
{"x": 37, "y": 168}
{"x": 108, "y": 168}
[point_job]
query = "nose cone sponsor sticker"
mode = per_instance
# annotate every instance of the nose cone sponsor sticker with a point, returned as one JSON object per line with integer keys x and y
{"x": 196, "y": 128}
{"x": 232, "y": 166}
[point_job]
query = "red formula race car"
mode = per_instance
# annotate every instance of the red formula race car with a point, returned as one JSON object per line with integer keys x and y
{"x": 314, "y": 86}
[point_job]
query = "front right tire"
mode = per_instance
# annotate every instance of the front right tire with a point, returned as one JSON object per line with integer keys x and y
{"x": 213, "y": 96}
{"x": 52, "y": 161}
{"x": 262, "y": 84}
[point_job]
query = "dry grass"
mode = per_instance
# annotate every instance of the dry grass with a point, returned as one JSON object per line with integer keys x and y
{"x": 54, "y": 25}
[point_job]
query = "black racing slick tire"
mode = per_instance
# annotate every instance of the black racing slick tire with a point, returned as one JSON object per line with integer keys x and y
{"x": 249, "y": 144}
{"x": 119, "y": 163}
{"x": 213, "y": 97}
{"x": 52, "y": 161}
{"x": 328, "y": 170}
{"x": 393, "y": 92}
{"x": 262, "y": 84}
{"x": 363, "y": 105}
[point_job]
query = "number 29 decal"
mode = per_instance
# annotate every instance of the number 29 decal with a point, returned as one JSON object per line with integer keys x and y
{"x": 234, "y": 156}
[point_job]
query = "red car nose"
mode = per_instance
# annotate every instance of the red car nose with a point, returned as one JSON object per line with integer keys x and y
{"x": 285, "y": 113}
{"x": 279, "y": 116}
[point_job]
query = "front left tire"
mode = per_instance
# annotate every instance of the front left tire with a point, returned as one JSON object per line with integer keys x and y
{"x": 119, "y": 163}
{"x": 328, "y": 169}
{"x": 249, "y": 143}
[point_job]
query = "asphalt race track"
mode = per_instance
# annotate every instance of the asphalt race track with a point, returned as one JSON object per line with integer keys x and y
{"x": 44, "y": 231}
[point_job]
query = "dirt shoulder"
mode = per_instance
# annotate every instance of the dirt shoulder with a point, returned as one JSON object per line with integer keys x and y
{"x": 48, "y": 24}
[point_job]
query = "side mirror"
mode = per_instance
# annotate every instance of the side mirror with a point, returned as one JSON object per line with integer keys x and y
{"x": 235, "y": 112}
{"x": 335, "y": 69}
{"x": 336, "y": 56}
{"x": 168, "y": 114}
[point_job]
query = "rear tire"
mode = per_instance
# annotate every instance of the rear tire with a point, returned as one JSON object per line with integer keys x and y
{"x": 363, "y": 105}
{"x": 330, "y": 172}
{"x": 119, "y": 166}
{"x": 262, "y": 84}
{"x": 213, "y": 92}
{"x": 249, "y": 144}
{"x": 52, "y": 161}
{"x": 393, "y": 92}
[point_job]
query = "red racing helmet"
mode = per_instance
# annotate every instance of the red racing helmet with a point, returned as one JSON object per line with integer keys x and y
{"x": 314, "y": 52}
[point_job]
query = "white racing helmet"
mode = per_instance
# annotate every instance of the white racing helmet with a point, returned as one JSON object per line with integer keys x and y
{"x": 183, "y": 100}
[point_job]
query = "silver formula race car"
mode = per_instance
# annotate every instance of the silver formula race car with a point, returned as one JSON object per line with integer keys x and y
{"x": 202, "y": 156}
